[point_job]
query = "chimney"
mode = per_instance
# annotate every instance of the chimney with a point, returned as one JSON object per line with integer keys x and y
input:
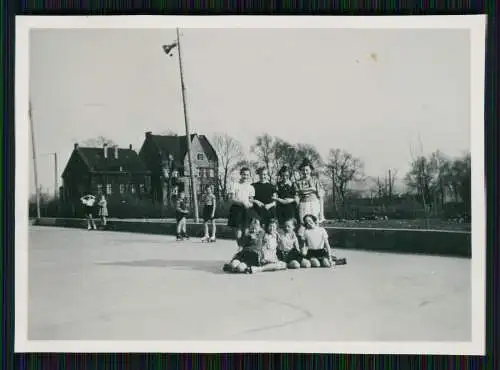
{"x": 148, "y": 134}
{"x": 76, "y": 145}
{"x": 105, "y": 149}
{"x": 116, "y": 151}
{"x": 130, "y": 146}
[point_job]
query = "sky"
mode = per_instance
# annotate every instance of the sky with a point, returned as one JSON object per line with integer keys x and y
{"x": 372, "y": 92}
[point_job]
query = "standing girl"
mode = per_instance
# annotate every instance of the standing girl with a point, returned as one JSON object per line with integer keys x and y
{"x": 264, "y": 204}
{"x": 181, "y": 212}
{"x": 88, "y": 202}
{"x": 103, "y": 209}
{"x": 286, "y": 197}
{"x": 209, "y": 213}
{"x": 310, "y": 193}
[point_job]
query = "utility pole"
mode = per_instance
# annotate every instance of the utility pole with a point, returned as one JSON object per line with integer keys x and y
{"x": 35, "y": 169}
{"x": 56, "y": 190}
{"x": 167, "y": 49}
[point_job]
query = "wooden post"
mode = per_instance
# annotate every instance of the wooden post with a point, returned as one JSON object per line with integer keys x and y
{"x": 194, "y": 196}
{"x": 35, "y": 168}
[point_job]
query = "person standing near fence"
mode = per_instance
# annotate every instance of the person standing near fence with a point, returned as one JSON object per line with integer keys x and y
{"x": 103, "y": 209}
{"x": 88, "y": 202}
{"x": 310, "y": 193}
{"x": 242, "y": 195}
{"x": 286, "y": 197}
{"x": 264, "y": 203}
{"x": 209, "y": 205}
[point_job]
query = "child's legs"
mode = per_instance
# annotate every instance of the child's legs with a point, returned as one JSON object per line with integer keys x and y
{"x": 205, "y": 226}
{"x": 234, "y": 263}
{"x": 179, "y": 226}
{"x": 184, "y": 222}
{"x": 276, "y": 266}
{"x": 213, "y": 228}
{"x": 305, "y": 263}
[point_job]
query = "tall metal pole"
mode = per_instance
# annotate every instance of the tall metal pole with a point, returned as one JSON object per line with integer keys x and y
{"x": 56, "y": 190}
{"x": 35, "y": 169}
{"x": 194, "y": 195}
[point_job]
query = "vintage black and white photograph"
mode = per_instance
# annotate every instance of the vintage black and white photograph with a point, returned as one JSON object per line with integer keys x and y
{"x": 312, "y": 187}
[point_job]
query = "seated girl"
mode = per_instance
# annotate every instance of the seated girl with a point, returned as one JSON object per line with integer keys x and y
{"x": 269, "y": 258}
{"x": 288, "y": 248}
{"x": 316, "y": 250}
{"x": 250, "y": 253}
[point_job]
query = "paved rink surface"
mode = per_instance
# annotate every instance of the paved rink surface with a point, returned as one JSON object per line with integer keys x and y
{"x": 121, "y": 286}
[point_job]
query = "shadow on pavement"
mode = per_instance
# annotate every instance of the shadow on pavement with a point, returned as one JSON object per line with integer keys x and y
{"x": 214, "y": 267}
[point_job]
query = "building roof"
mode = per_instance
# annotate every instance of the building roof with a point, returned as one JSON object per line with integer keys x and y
{"x": 177, "y": 147}
{"x": 128, "y": 160}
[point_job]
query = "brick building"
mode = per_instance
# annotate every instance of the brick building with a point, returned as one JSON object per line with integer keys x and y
{"x": 162, "y": 154}
{"x": 114, "y": 171}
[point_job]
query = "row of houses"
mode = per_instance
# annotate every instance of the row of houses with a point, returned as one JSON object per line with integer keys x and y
{"x": 149, "y": 174}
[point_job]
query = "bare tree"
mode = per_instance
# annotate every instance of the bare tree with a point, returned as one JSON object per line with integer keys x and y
{"x": 343, "y": 168}
{"x": 264, "y": 150}
{"x": 384, "y": 187}
{"x": 229, "y": 152}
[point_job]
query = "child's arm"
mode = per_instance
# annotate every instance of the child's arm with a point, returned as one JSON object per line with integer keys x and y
{"x": 214, "y": 200}
{"x": 327, "y": 244}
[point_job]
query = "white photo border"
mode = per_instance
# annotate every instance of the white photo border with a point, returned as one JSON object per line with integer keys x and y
{"x": 476, "y": 24}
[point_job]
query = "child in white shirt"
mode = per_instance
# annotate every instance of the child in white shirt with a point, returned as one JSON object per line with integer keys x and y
{"x": 241, "y": 195}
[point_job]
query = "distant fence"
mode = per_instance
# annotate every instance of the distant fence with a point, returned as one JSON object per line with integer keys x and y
{"x": 420, "y": 241}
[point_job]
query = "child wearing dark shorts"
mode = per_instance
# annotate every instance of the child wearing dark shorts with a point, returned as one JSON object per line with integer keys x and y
{"x": 209, "y": 214}
{"x": 241, "y": 195}
{"x": 317, "y": 247}
{"x": 181, "y": 213}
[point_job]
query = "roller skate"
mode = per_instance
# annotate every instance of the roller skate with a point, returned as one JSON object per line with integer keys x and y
{"x": 185, "y": 236}
{"x": 205, "y": 239}
{"x": 179, "y": 237}
{"x": 212, "y": 239}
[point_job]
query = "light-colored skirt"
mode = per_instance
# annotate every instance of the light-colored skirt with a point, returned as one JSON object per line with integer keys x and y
{"x": 103, "y": 211}
{"x": 309, "y": 207}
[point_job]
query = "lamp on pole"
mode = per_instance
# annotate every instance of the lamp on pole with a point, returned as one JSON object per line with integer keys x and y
{"x": 35, "y": 169}
{"x": 168, "y": 50}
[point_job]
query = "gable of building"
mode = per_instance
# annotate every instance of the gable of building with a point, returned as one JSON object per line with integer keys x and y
{"x": 171, "y": 146}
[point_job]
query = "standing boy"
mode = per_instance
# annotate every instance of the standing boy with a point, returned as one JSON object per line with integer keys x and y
{"x": 241, "y": 194}
{"x": 181, "y": 212}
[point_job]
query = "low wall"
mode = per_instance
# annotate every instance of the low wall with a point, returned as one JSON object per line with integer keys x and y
{"x": 433, "y": 242}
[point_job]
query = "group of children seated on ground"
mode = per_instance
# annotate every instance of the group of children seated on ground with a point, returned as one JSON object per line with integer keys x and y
{"x": 271, "y": 250}
{"x": 256, "y": 211}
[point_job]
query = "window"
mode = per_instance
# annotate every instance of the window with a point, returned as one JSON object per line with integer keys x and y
{"x": 200, "y": 172}
{"x": 211, "y": 173}
{"x": 121, "y": 168}
{"x": 122, "y": 188}
{"x": 108, "y": 189}
{"x": 200, "y": 156}
{"x": 99, "y": 188}
{"x": 142, "y": 188}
